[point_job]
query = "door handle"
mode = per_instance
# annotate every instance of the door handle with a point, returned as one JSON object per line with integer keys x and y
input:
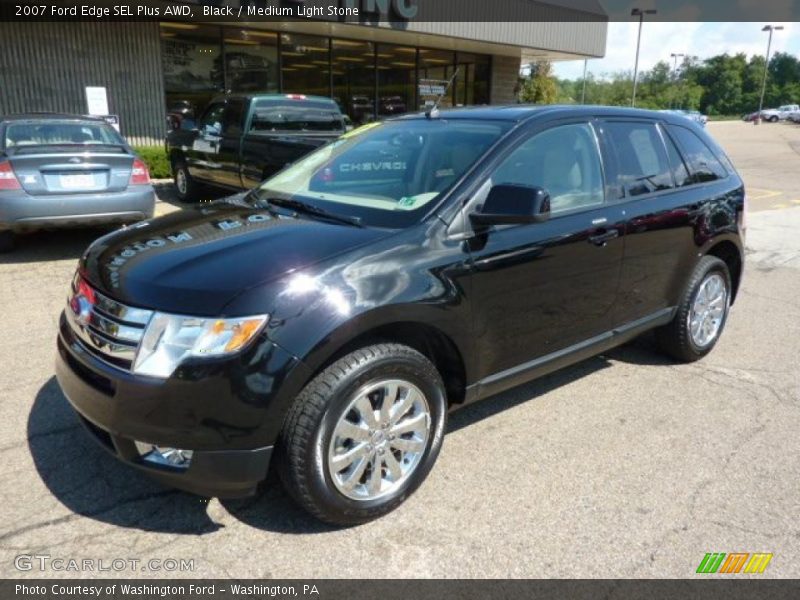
{"x": 602, "y": 238}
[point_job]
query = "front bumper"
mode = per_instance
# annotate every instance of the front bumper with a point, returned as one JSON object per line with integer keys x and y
{"x": 227, "y": 413}
{"x": 20, "y": 211}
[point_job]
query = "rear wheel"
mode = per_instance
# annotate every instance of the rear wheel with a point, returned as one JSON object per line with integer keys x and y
{"x": 6, "y": 241}
{"x": 773, "y": 119}
{"x": 702, "y": 313}
{"x": 185, "y": 185}
{"x": 364, "y": 434}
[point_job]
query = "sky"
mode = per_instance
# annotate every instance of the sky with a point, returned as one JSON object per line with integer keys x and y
{"x": 659, "y": 40}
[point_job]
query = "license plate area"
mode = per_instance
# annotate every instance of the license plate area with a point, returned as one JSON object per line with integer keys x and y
{"x": 76, "y": 181}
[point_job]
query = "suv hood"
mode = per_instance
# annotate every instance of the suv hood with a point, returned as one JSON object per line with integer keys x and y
{"x": 196, "y": 261}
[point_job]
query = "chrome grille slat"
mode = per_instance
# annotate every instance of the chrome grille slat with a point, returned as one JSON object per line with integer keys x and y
{"x": 108, "y": 329}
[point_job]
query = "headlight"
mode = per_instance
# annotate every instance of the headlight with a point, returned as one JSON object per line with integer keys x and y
{"x": 170, "y": 339}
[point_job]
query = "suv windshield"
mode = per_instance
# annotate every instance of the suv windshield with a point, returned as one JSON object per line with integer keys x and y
{"x": 60, "y": 133}
{"x": 387, "y": 174}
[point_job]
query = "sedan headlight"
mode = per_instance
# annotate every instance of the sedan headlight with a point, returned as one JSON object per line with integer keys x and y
{"x": 170, "y": 339}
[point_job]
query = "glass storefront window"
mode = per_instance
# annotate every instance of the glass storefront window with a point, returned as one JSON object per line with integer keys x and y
{"x": 191, "y": 55}
{"x": 303, "y": 60}
{"x": 354, "y": 79}
{"x": 251, "y": 60}
{"x": 472, "y": 83}
{"x": 437, "y": 65}
{"x": 397, "y": 79}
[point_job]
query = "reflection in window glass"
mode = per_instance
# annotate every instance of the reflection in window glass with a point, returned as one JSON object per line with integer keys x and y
{"x": 305, "y": 64}
{"x": 193, "y": 75}
{"x": 643, "y": 166}
{"x": 564, "y": 161}
{"x": 296, "y": 115}
{"x": 397, "y": 76}
{"x": 702, "y": 162}
{"x": 679, "y": 170}
{"x": 251, "y": 60}
{"x": 354, "y": 79}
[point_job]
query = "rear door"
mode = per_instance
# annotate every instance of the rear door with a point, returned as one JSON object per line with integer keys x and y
{"x": 653, "y": 187}
{"x": 66, "y": 157}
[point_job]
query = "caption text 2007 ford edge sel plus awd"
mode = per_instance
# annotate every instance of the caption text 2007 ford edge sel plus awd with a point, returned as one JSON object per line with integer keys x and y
{"x": 328, "y": 320}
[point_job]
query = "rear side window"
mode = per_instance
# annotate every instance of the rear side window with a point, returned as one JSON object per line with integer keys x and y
{"x": 703, "y": 165}
{"x": 642, "y": 162}
{"x": 679, "y": 170}
{"x": 296, "y": 115}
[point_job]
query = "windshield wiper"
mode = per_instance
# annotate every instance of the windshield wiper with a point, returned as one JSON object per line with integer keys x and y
{"x": 316, "y": 211}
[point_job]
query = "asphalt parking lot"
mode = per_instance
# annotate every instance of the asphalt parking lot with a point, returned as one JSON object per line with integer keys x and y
{"x": 626, "y": 465}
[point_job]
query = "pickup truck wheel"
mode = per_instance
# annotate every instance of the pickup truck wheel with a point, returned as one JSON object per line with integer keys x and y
{"x": 6, "y": 241}
{"x": 702, "y": 313}
{"x": 773, "y": 119}
{"x": 186, "y": 187}
{"x": 364, "y": 434}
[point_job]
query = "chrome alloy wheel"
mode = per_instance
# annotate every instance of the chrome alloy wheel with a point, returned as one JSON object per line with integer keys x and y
{"x": 180, "y": 181}
{"x": 708, "y": 310}
{"x": 379, "y": 439}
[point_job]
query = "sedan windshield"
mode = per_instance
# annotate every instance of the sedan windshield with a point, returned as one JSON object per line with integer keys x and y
{"x": 387, "y": 174}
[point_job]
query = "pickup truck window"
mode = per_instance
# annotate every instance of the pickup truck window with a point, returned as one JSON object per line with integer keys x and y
{"x": 270, "y": 116}
{"x": 388, "y": 174}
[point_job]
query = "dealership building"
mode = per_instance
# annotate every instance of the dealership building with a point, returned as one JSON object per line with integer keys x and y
{"x": 372, "y": 68}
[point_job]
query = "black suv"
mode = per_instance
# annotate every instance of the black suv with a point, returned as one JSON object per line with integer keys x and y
{"x": 328, "y": 320}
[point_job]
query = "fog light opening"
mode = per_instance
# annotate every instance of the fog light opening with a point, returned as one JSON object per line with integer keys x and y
{"x": 175, "y": 458}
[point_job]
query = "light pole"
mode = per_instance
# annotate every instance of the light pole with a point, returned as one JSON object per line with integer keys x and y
{"x": 769, "y": 28}
{"x": 583, "y": 93}
{"x": 675, "y": 58}
{"x": 638, "y": 12}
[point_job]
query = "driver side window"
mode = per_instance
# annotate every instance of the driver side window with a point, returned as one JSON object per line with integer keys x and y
{"x": 565, "y": 161}
{"x": 211, "y": 123}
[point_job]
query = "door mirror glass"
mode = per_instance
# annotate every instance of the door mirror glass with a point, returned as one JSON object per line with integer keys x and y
{"x": 509, "y": 204}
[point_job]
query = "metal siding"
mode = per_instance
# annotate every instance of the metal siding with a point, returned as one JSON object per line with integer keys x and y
{"x": 45, "y": 66}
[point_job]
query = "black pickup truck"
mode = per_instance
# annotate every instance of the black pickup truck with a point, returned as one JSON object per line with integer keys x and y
{"x": 240, "y": 140}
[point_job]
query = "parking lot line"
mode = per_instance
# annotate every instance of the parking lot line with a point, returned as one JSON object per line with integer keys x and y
{"x": 762, "y": 194}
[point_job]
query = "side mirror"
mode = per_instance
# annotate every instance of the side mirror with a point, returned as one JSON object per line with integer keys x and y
{"x": 509, "y": 204}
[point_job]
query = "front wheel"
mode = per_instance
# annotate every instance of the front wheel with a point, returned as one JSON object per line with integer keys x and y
{"x": 185, "y": 185}
{"x": 364, "y": 434}
{"x": 773, "y": 119}
{"x": 702, "y": 313}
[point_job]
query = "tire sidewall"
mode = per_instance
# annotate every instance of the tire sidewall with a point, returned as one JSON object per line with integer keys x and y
{"x": 715, "y": 266}
{"x": 185, "y": 195}
{"x": 321, "y": 484}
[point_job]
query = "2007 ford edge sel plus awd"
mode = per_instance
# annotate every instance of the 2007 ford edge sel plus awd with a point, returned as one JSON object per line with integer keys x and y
{"x": 328, "y": 320}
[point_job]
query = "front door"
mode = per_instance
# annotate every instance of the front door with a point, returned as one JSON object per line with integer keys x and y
{"x": 539, "y": 288}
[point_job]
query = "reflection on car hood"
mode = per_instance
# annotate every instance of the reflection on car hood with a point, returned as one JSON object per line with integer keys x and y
{"x": 196, "y": 261}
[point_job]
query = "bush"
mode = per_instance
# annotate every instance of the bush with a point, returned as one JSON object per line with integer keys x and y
{"x": 155, "y": 157}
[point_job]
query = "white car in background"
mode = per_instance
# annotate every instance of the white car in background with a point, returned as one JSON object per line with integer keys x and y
{"x": 773, "y": 115}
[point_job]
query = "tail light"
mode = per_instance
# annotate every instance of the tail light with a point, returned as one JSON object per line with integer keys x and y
{"x": 8, "y": 179}
{"x": 139, "y": 175}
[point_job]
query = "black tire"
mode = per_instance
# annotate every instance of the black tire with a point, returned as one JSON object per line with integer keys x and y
{"x": 675, "y": 338}
{"x": 302, "y": 453}
{"x": 186, "y": 187}
{"x": 6, "y": 241}
{"x": 773, "y": 119}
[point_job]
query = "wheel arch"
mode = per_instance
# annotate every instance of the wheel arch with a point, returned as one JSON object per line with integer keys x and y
{"x": 729, "y": 253}
{"x": 429, "y": 340}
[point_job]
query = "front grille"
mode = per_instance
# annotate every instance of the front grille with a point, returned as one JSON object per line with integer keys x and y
{"x": 108, "y": 329}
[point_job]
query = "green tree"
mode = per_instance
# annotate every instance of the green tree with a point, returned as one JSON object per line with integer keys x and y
{"x": 540, "y": 87}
